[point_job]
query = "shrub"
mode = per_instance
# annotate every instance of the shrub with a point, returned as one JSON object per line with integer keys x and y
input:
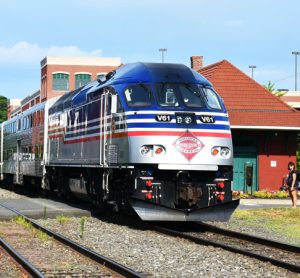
{"x": 264, "y": 194}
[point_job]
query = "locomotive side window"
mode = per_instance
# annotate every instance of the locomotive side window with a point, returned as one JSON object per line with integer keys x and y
{"x": 138, "y": 95}
{"x": 211, "y": 98}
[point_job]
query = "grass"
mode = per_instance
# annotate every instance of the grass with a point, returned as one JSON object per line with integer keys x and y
{"x": 23, "y": 222}
{"x": 27, "y": 225}
{"x": 62, "y": 219}
{"x": 282, "y": 221}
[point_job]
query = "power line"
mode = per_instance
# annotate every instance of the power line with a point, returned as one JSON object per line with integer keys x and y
{"x": 285, "y": 78}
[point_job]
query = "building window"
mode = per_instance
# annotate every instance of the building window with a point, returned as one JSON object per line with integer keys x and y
{"x": 81, "y": 79}
{"x": 60, "y": 82}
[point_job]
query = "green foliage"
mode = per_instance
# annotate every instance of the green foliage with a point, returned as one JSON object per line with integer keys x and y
{"x": 3, "y": 109}
{"x": 271, "y": 88}
{"x": 264, "y": 194}
{"x": 42, "y": 236}
{"x": 20, "y": 220}
{"x": 82, "y": 224}
{"x": 298, "y": 154}
{"x": 62, "y": 219}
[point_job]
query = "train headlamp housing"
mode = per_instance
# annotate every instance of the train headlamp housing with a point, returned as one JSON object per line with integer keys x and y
{"x": 222, "y": 152}
{"x": 225, "y": 152}
{"x": 152, "y": 150}
{"x": 146, "y": 150}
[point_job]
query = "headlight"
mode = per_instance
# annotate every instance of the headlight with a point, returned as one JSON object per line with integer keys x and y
{"x": 223, "y": 152}
{"x": 152, "y": 150}
{"x": 146, "y": 150}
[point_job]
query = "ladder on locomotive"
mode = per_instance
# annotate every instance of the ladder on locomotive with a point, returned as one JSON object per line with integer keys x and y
{"x": 105, "y": 127}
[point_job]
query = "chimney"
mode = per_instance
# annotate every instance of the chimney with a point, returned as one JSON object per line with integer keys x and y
{"x": 197, "y": 62}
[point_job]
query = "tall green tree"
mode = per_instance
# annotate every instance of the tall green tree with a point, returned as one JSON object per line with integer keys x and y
{"x": 3, "y": 108}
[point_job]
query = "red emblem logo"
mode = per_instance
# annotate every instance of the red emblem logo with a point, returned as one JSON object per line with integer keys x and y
{"x": 188, "y": 144}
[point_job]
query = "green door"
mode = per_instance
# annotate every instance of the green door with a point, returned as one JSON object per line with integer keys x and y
{"x": 245, "y": 172}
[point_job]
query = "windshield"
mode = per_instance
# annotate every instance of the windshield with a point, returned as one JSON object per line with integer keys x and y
{"x": 174, "y": 94}
{"x": 211, "y": 98}
{"x": 138, "y": 95}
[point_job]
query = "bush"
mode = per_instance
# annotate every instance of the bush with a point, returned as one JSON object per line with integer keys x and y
{"x": 264, "y": 194}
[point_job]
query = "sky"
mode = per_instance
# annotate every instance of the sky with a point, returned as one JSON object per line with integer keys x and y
{"x": 263, "y": 33}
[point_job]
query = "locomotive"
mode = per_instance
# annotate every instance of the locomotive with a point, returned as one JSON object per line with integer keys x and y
{"x": 153, "y": 138}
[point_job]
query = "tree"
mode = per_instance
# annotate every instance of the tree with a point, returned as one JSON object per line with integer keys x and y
{"x": 3, "y": 108}
{"x": 271, "y": 88}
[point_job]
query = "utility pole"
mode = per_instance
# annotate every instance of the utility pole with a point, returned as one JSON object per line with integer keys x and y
{"x": 296, "y": 53}
{"x": 162, "y": 50}
{"x": 252, "y": 68}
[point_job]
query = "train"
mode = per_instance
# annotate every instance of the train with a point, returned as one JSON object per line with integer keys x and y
{"x": 150, "y": 138}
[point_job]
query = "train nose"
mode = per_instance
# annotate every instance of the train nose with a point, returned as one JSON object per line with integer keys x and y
{"x": 154, "y": 212}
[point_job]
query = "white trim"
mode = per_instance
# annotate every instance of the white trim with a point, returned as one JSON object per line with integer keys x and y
{"x": 265, "y": 127}
{"x": 82, "y": 72}
{"x": 56, "y": 72}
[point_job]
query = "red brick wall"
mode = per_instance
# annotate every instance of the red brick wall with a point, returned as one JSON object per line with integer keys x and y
{"x": 46, "y": 87}
{"x": 273, "y": 158}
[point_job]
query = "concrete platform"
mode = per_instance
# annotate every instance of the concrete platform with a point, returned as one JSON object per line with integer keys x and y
{"x": 265, "y": 203}
{"x": 37, "y": 207}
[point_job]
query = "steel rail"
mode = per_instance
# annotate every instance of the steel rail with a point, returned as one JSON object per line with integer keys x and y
{"x": 21, "y": 260}
{"x": 109, "y": 263}
{"x": 174, "y": 233}
{"x": 251, "y": 238}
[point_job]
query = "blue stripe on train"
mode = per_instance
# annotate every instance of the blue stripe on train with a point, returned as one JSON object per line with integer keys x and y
{"x": 174, "y": 125}
{"x": 152, "y": 116}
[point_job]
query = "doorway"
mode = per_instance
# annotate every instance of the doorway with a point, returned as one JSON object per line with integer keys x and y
{"x": 245, "y": 172}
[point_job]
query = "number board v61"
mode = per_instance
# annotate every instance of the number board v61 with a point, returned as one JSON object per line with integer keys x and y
{"x": 163, "y": 118}
{"x": 207, "y": 119}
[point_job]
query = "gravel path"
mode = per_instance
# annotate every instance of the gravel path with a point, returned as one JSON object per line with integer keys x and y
{"x": 162, "y": 256}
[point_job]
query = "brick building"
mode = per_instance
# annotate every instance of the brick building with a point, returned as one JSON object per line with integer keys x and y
{"x": 63, "y": 74}
{"x": 264, "y": 128}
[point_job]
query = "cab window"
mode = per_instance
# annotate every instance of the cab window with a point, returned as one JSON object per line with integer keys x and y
{"x": 191, "y": 96}
{"x": 167, "y": 95}
{"x": 211, "y": 98}
{"x": 138, "y": 95}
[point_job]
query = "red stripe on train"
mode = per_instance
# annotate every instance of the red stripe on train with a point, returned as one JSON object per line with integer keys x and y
{"x": 147, "y": 133}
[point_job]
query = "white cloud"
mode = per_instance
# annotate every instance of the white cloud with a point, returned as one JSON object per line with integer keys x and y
{"x": 26, "y": 53}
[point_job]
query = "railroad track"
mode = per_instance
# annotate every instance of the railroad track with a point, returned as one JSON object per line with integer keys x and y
{"x": 36, "y": 266}
{"x": 279, "y": 254}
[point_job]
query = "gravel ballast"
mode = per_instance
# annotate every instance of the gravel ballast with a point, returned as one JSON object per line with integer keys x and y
{"x": 158, "y": 255}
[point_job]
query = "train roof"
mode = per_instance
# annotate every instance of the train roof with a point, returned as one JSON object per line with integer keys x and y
{"x": 156, "y": 72}
{"x": 133, "y": 73}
